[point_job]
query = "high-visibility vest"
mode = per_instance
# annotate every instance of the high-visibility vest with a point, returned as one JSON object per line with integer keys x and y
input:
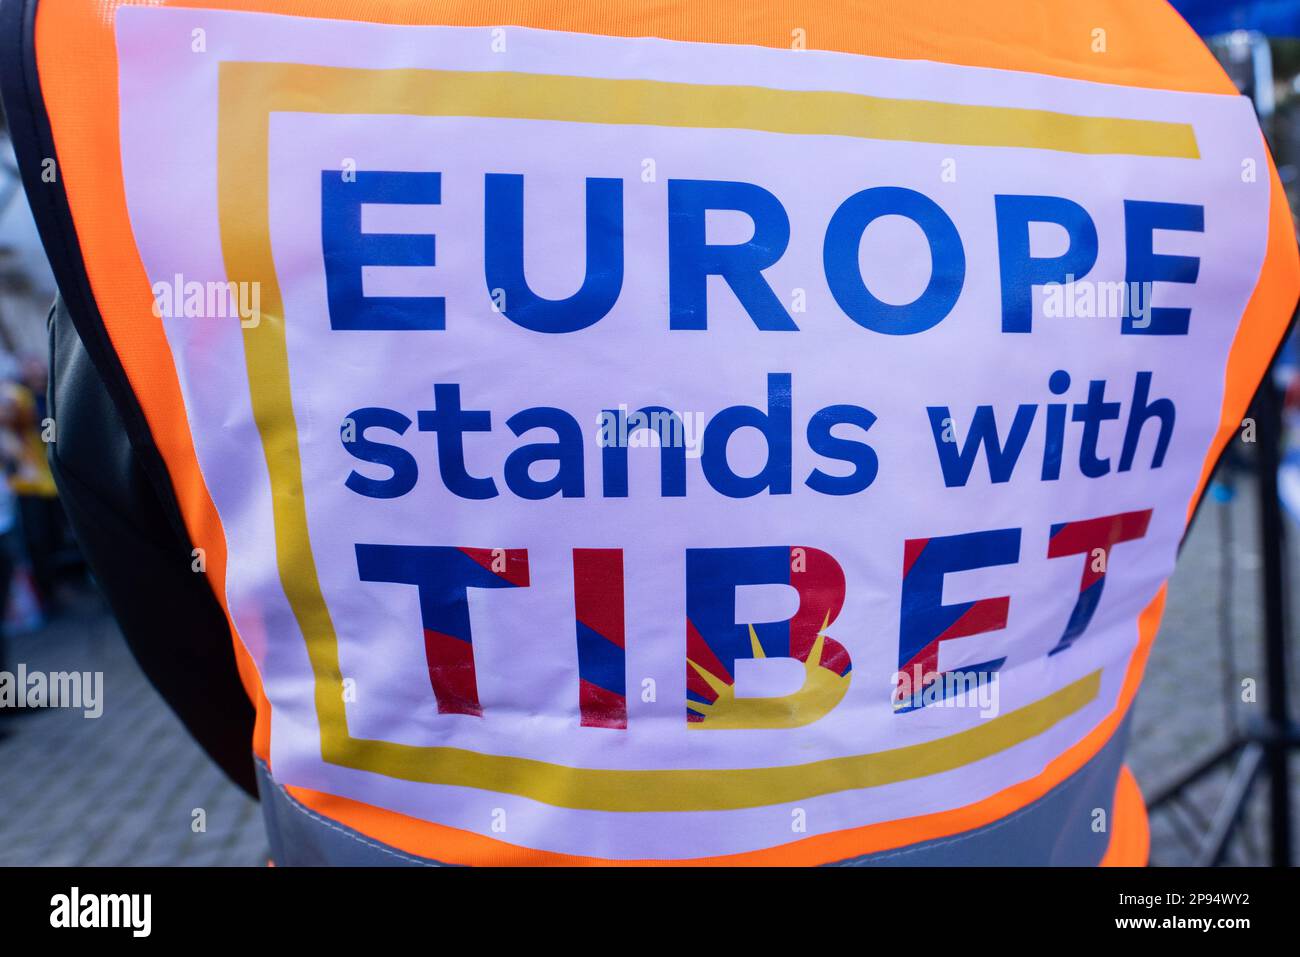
{"x": 725, "y": 432}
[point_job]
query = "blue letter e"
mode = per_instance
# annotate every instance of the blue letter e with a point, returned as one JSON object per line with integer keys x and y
{"x": 347, "y": 249}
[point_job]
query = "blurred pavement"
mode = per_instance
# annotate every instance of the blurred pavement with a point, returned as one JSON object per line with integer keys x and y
{"x": 118, "y": 789}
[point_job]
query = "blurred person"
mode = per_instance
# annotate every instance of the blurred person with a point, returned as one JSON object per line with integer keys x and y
{"x": 10, "y": 546}
{"x": 1287, "y": 380}
{"x": 41, "y": 516}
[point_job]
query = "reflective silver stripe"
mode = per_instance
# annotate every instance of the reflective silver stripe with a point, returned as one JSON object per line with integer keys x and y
{"x": 1057, "y": 829}
{"x": 300, "y": 837}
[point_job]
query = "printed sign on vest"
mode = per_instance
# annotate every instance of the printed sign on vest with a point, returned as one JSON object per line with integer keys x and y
{"x": 610, "y": 427}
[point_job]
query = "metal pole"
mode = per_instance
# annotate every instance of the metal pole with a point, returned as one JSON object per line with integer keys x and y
{"x": 1273, "y": 549}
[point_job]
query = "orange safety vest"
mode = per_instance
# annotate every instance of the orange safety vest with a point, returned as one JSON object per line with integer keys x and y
{"x": 675, "y": 433}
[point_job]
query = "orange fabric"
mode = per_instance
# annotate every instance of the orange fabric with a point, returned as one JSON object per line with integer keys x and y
{"x": 1262, "y": 326}
{"x": 77, "y": 64}
{"x": 1130, "y": 835}
{"x": 1146, "y": 45}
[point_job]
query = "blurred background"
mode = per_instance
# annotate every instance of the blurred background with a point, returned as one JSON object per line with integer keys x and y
{"x": 125, "y": 788}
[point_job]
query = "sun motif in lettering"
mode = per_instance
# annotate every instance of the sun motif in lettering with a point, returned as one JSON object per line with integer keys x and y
{"x": 822, "y": 690}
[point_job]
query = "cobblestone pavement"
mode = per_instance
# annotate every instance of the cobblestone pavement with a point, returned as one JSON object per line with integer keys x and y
{"x": 123, "y": 789}
{"x": 119, "y": 789}
{"x": 1180, "y": 716}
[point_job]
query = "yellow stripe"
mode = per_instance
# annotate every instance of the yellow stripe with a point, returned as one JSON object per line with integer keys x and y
{"x": 579, "y": 99}
{"x": 601, "y": 789}
{"x": 250, "y": 92}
